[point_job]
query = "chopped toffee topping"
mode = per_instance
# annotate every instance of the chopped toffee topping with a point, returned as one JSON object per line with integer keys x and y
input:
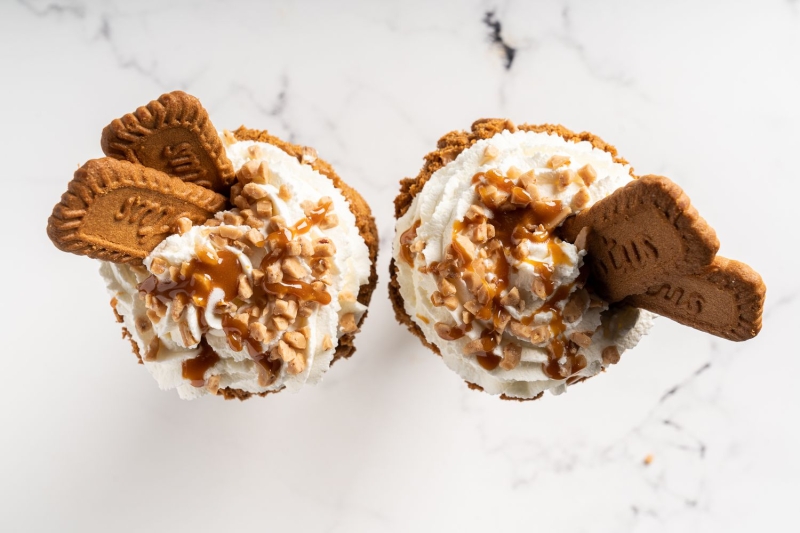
{"x": 273, "y": 301}
{"x": 491, "y": 242}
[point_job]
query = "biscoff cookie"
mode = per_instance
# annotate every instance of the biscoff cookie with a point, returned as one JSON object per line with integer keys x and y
{"x": 174, "y": 135}
{"x": 641, "y": 234}
{"x": 117, "y": 211}
{"x": 481, "y": 275}
{"x": 478, "y": 272}
{"x": 262, "y": 297}
{"x": 725, "y": 299}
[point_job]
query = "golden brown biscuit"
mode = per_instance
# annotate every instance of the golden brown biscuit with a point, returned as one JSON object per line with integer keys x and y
{"x": 174, "y": 135}
{"x": 448, "y": 148}
{"x": 725, "y": 299}
{"x": 117, "y": 211}
{"x": 642, "y": 234}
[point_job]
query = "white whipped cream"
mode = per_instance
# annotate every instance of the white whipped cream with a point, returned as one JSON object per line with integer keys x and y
{"x": 445, "y": 199}
{"x": 236, "y": 369}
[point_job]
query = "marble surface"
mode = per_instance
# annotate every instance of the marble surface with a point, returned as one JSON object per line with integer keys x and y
{"x": 705, "y": 93}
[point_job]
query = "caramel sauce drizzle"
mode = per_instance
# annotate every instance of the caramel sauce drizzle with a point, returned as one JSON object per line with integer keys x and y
{"x": 278, "y": 241}
{"x": 202, "y": 277}
{"x": 513, "y": 226}
{"x": 194, "y": 370}
{"x": 208, "y": 272}
{"x": 406, "y": 239}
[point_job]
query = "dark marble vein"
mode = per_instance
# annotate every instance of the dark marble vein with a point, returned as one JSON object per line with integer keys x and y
{"x": 496, "y": 36}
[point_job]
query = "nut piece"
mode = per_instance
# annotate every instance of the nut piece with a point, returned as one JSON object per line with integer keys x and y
{"x": 230, "y": 232}
{"x": 511, "y": 299}
{"x": 264, "y": 208}
{"x": 611, "y": 355}
{"x": 260, "y": 333}
{"x": 576, "y": 305}
{"x": 565, "y": 177}
{"x": 447, "y": 288}
{"x": 512, "y": 353}
{"x": 283, "y": 352}
{"x": 451, "y": 303}
{"x": 327, "y": 344}
{"x": 331, "y": 220}
{"x": 464, "y": 247}
{"x": 274, "y": 273}
{"x": 558, "y": 161}
{"x": 475, "y": 213}
{"x": 473, "y": 346}
{"x": 348, "y": 323}
{"x": 158, "y": 266}
{"x": 539, "y": 288}
{"x": 519, "y": 330}
{"x": 184, "y": 225}
{"x": 232, "y": 219}
{"x": 152, "y": 349}
{"x": 212, "y": 384}
{"x": 437, "y": 299}
{"x": 580, "y": 240}
{"x": 581, "y": 199}
{"x": 473, "y": 307}
{"x": 540, "y": 334}
{"x": 295, "y": 339}
{"x": 245, "y": 290}
{"x": 254, "y": 191}
{"x": 581, "y": 339}
{"x": 490, "y": 152}
{"x": 323, "y": 247}
{"x": 308, "y": 155}
{"x": 520, "y": 196}
{"x": 296, "y": 365}
{"x": 255, "y": 237}
{"x": 286, "y": 308}
{"x": 307, "y": 308}
{"x": 186, "y": 334}
{"x": 280, "y": 322}
{"x": 587, "y": 174}
{"x": 293, "y": 268}
{"x": 255, "y": 152}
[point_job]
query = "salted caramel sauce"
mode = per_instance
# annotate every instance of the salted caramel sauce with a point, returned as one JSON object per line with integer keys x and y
{"x": 194, "y": 369}
{"x": 278, "y": 241}
{"x": 316, "y": 216}
{"x": 406, "y": 239}
{"x": 575, "y": 363}
{"x": 452, "y": 334}
{"x": 489, "y": 361}
{"x": 221, "y": 269}
{"x": 199, "y": 280}
{"x": 512, "y": 226}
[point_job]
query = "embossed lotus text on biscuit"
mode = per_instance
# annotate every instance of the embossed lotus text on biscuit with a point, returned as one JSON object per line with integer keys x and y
{"x": 184, "y": 162}
{"x": 135, "y": 220}
{"x": 679, "y": 298}
{"x": 149, "y": 217}
{"x": 634, "y": 254}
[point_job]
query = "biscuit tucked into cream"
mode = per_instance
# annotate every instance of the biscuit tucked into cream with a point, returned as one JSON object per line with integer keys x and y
{"x": 479, "y": 273}
{"x": 260, "y": 297}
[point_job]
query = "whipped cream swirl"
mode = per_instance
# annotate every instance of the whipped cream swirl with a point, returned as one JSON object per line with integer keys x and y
{"x": 234, "y": 334}
{"x": 523, "y": 343}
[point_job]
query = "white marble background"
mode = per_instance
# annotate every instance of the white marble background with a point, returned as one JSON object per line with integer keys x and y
{"x": 703, "y": 92}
